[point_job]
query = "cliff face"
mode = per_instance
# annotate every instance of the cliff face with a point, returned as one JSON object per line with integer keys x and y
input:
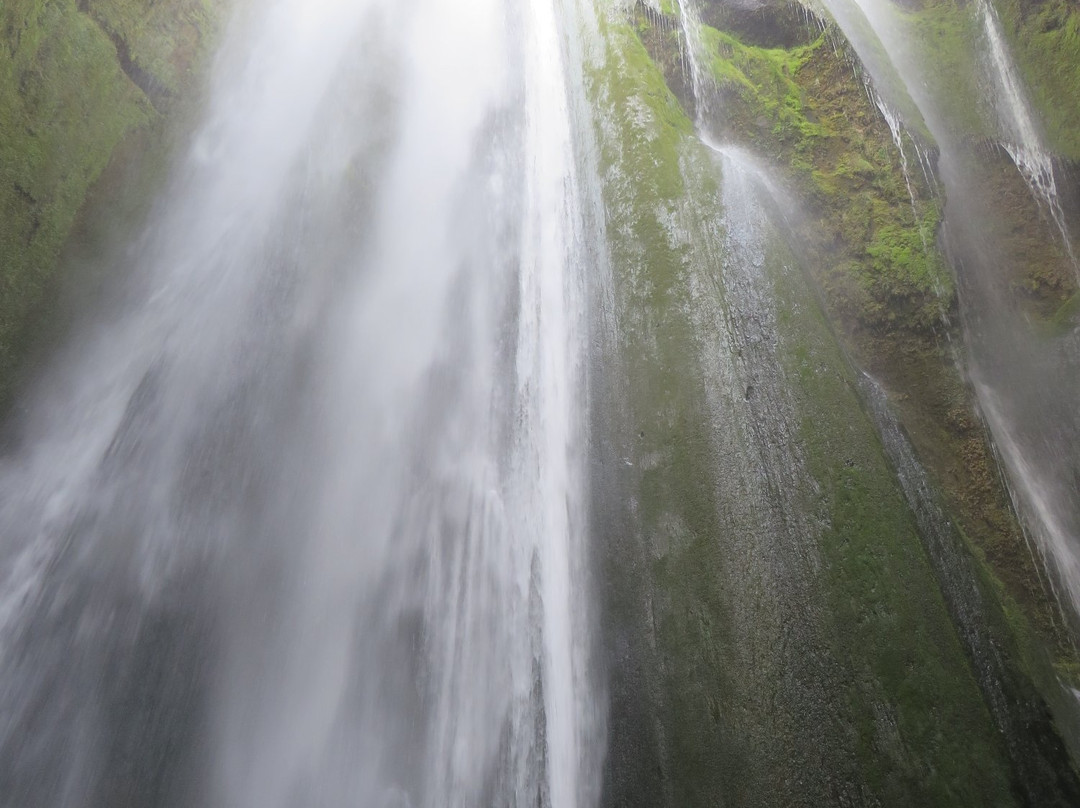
{"x": 902, "y": 593}
{"x": 77, "y": 80}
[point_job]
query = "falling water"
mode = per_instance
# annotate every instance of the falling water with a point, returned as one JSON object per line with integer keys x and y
{"x": 890, "y": 51}
{"x": 691, "y": 53}
{"x": 301, "y": 522}
{"x": 1026, "y": 386}
{"x": 1023, "y": 142}
{"x": 1040, "y": 492}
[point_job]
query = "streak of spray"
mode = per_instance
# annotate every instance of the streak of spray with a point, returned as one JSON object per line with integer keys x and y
{"x": 692, "y": 50}
{"x": 1037, "y": 497}
{"x": 1024, "y": 142}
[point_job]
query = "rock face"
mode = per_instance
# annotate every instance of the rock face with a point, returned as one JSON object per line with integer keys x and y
{"x": 815, "y": 693}
{"x": 77, "y": 80}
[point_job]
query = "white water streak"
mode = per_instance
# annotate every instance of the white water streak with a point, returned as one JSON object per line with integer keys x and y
{"x": 1032, "y": 491}
{"x": 896, "y": 129}
{"x": 1024, "y": 142}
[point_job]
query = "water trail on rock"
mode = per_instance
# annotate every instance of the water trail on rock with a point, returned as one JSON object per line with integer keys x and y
{"x": 896, "y": 129}
{"x": 1024, "y": 142}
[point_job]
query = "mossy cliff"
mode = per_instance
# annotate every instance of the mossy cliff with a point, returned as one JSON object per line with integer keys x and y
{"x": 77, "y": 81}
{"x": 873, "y": 210}
{"x": 821, "y": 649}
{"x": 782, "y": 626}
{"x": 974, "y": 104}
{"x": 872, "y": 214}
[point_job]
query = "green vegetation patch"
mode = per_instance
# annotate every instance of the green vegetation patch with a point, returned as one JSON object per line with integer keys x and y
{"x": 65, "y": 104}
{"x": 913, "y": 699}
{"x": 874, "y": 227}
{"x": 74, "y": 84}
{"x": 1066, "y": 319}
{"x": 868, "y": 236}
{"x": 162, "y": 39}
{"x": 764, "y": 79}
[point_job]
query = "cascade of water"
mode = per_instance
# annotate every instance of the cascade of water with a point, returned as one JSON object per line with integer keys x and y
{"x": 1024, "y": 385}
{"x": 1023, "y": 142}
{"x": 866, "y": 20}
{"x": 1037, "y": 495}
{"x": 926, "y": 165}
{"x": 896, "y": 129}
{"x": 692, "y": 52}
{"x": 304, "y": 522}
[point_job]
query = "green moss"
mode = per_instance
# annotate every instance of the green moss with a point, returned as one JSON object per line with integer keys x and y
{"x": 1069, "y": 313}
{"x": 908, "y": 672}
{"x": 944, "y": 40}
{"x": 56, "y": 136}
{"x": 163, "y": 38}
{"x": 1067, "y": 316}
{"x": 947, "y": 42}
{"x": 66, "y": 103}
{"x": 645, "y": 140}
{"x": 651, "y": 127}
{"x": 803, "y": 108}
{"x": 765, "y": 79}
{"x": 905, "y": 276}
{"x": 869, "y": 239}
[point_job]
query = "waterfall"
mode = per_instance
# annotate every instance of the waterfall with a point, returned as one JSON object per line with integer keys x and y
{"x": 303, "y": 520}
{"x": 1024, "y": 384}
{"x": 1024, "y": 142}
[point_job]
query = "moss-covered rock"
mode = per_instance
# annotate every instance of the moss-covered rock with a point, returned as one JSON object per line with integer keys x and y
{"x": 778, "y": 629}
{"x": 761, "y": 23}
{"x": 873, "y": 220}
{"x": 76, "y": 80}
{"x": 867, "y": 232}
